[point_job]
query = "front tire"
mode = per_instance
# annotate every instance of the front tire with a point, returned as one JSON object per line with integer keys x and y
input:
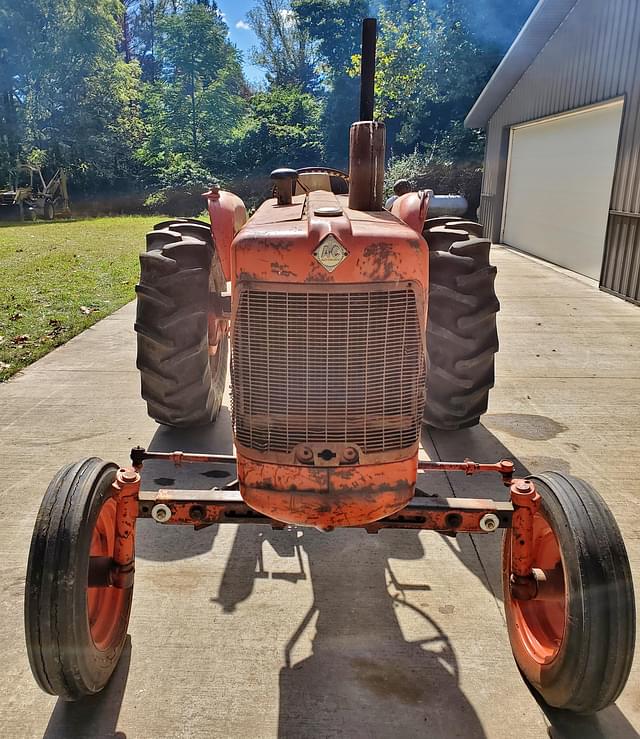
{"x": 74, "y": 633}
{"x": 576, "y": 647}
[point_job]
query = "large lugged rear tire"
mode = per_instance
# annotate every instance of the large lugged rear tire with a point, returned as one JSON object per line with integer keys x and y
{"x": 75, "y": 633}
{"x": 462, "y": 338}
{"x": 182, "y": 355}
{"x": 574, "y": 646}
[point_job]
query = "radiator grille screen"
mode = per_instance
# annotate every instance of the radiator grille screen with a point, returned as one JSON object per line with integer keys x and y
{"x": 327, "y": 367}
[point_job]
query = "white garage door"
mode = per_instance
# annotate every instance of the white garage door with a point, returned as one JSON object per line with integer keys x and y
{"x": 558, "y": 189}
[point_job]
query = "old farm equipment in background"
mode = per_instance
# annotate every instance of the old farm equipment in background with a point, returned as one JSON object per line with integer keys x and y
{"x": 31, "y": 196}
{"x": 338, "y": 314}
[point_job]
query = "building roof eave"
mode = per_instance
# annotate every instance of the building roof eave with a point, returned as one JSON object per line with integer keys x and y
{"x": 544, "y": 20}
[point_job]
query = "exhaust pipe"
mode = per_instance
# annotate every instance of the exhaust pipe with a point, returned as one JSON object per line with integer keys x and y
{"x": 367, "y": 137}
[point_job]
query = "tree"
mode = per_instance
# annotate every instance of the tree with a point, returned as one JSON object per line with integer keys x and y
{"x": 197, "y": 99}
{"x": 433, "y": 62}
{"x": 149, "y": 93}
{"x": 284, "y": 129}
{"x": 335, "y": 26}
{"x": 285, "y": 49}
{"x": 65, "y": 88}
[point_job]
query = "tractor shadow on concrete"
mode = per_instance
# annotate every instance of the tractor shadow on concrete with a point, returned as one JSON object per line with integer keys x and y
{"x": 362, "y": 677}
{"x": 482, "y": 555}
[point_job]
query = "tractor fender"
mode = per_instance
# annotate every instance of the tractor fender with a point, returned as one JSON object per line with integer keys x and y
{"x": 412, "y": 208}
{"x": 228, "y": 215}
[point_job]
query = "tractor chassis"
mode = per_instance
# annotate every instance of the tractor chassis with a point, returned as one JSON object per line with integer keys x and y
{"x": 202, "y": 508}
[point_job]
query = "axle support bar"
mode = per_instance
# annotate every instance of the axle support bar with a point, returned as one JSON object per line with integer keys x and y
{"x": 504, "y": 467}
{"x": 205, "y": 507}
{"x": 140, "y": 454}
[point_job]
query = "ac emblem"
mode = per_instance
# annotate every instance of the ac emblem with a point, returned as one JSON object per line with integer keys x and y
{"x": 330, "y": 253}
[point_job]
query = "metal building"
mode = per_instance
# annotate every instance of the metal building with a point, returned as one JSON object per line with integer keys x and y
{"x": 562, "y": 161}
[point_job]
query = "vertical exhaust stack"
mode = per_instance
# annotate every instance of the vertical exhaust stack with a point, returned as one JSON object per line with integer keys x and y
{"x": 367, "y": 137}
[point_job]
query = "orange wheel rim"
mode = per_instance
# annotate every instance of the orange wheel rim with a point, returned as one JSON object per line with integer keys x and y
{"x": 217, "y": 331}
{"x": 540, "y": 623}
{"x": 105, "y": 605}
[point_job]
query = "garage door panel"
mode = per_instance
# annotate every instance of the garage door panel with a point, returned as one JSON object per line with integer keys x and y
{"x": 558, "y": 190}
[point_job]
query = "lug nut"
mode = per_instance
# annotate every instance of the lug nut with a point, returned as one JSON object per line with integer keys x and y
{"x": 161, "y": 513}
{"x": 489, "y": 522}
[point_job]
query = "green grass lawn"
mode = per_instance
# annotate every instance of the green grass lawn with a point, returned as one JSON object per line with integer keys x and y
{"x": 58, "y": 278}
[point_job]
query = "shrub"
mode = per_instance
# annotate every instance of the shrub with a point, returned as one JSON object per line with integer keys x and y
{"x": 444, "y": 178}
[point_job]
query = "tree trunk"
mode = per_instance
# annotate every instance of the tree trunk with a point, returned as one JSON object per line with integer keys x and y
{"x": 194, "y": 130}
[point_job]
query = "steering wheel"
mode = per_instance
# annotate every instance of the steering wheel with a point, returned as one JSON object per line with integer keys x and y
{"x": 337, "y": 173}
{"x": 329, "y": 170}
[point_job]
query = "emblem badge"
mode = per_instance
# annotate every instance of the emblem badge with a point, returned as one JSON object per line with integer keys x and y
{"x": 330, "y": 253}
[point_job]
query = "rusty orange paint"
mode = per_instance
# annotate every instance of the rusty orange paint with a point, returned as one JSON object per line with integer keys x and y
{"x": 526, "y": 502}
{"x": 278, "y": 245}
{"x": 228, "y": 215}
{"x": 327, "y": 497}
{"x": 380, "y": 247}
{"x": 536, "y": 616}
{"x": 218, "y": 329}
{"x": 105, "y": 605}
{"x": 126, "y": 487}
{"x": 412, "y": 209}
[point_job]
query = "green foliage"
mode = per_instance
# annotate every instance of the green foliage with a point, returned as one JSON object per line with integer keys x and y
{"x": 284, "y": 129}
{"x": 431, "y": 67}
{"x": 335, "y": 27}
{"x": 428, "y": 171}
{"x": 146, "y": 98}
{"x": 196, "y": 101}
{"x": 65, "y": 89}
{"x": 285, "y": 49}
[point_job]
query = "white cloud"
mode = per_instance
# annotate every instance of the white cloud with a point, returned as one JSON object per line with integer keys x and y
{"x": 243, "y": 26}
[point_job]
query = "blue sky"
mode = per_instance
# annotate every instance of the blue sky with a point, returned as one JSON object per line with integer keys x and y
{"x": 235, "y": 12}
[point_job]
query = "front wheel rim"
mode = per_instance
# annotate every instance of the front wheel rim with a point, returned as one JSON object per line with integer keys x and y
{"x": 541, "y": 624}
{"x": 105, "y": 605}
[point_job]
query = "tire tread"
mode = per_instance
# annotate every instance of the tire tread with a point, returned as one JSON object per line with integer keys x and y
{"x": 462, "y": 337}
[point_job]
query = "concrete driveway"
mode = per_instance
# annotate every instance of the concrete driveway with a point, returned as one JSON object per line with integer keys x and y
{"x": 252, "y": 633}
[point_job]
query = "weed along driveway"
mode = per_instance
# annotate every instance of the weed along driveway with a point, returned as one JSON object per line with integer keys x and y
{"x": 245, "y": 631}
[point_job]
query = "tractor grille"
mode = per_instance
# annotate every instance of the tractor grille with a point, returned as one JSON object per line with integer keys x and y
{"x": 328, "y": 367}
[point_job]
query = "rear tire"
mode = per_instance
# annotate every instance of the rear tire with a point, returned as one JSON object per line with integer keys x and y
{"x": 440, "y": 221}
{"x": 575, "y": 650}
{"x": 182, "y": 381}
{"x": 75, "y": 635}
{"x": 462, "y": 338}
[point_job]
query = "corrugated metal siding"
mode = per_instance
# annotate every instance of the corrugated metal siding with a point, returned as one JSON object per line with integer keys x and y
{"x": 593, "y": 56}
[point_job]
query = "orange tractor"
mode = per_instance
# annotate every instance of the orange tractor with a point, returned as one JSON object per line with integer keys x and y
{"x": 347, "y": 332}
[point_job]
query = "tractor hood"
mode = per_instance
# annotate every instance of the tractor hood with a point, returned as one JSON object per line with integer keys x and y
{"x": 318, "y": 238}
